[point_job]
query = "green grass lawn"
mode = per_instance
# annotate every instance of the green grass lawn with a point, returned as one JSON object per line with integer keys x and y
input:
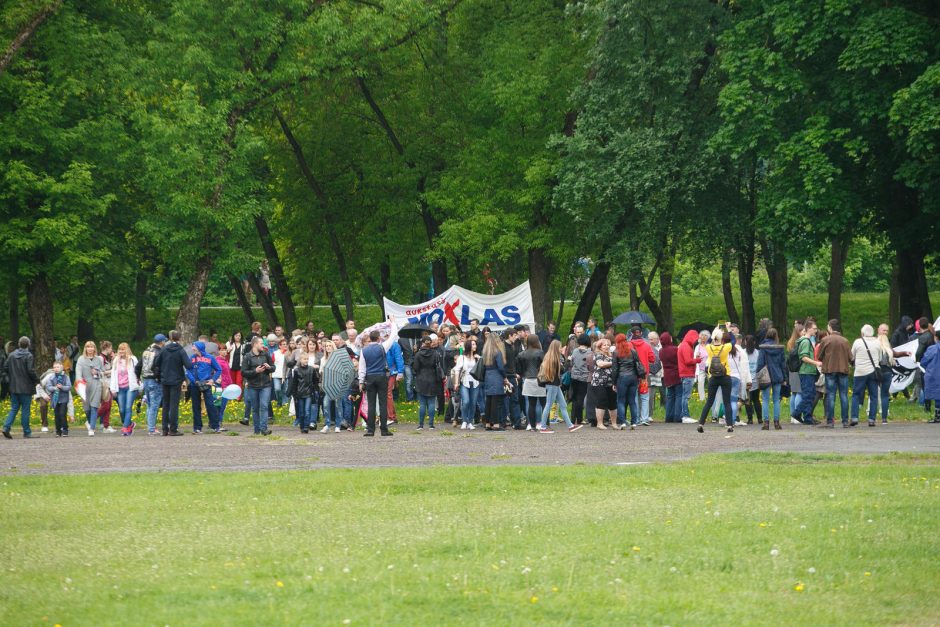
{"x": 740, "y": 539}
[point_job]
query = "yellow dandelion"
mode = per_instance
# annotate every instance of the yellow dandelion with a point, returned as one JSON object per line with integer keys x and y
{"x": 534, "y": 599}
{"x": 798, "y": 587}
{"x": 867, "y": 574}
{"x": 762, "y": 525}
{"x": 636, "y": 549}
{"x": 554, "y": 588}
{"x": 280, "y": 584}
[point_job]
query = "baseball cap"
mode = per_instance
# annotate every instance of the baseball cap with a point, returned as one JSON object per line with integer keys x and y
{"x": 159, "y": 337}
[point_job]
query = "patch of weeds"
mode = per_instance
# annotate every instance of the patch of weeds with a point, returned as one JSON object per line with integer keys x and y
{"x": 35, "y": 465}
{"x": 311, "y": 459}
{"x": 498, "y": 456}
{"x": 447, "y": 433}
{"x": 232, "y": 433}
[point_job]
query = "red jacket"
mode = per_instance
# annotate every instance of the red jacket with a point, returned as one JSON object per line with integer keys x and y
{"x": 687, "y": 359}
{"x": 644, "y": 352}
{"x": 669, "y": 356}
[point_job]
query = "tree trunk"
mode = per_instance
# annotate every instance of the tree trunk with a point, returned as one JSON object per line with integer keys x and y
{"x": 539, "y": 270}
{"x": 334, "y": 308}
{"x": 561, "y": 305}
{"x": 913, "y": 297}
{"x": 242, "y": 298}
{"x": 607, "y": 312}
{"x": 463, "y": 272}
{"x": 776, "y": 264}
{"x": 277, "y": 273}
{"x": 592, "y": 290}
{"x": 666, "y": 320}
{"x": 745, "y": 256}
{"x": 385, "y": 277}
{"x": 726, "y": 291}
{"x": 267, "y": 307}
{"x": 86, "y": 326}
{"x": 634, "y": 297}
{"x": 377, "y": 293}
{"x": 140, "y": 307}
{"x": 13, "y": 295}
{"x": 187, "y": 318}
{"x": 894, "y": 297}
{"x": 39, "y": 308}
{"x": 840, "y": 251}
{"x": 26, "y": 32}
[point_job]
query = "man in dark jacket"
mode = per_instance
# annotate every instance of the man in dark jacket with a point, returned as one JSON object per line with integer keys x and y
{"x": 511, "y": 406}
{"x": 169, "y": 370}
{"x": 548, "y": 335}
{"x": 408, "y": 348}
{"x": 21, "y": 373}
{"x": 257, "y": 366}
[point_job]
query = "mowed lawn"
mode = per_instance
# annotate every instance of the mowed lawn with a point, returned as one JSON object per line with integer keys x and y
{"x": 740, "y": 539}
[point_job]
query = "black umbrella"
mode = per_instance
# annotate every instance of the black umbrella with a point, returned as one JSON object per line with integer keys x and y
{"x": 414, "y": 331}
{"x": 633, "y": 317}
{"x": 695, "y": 326}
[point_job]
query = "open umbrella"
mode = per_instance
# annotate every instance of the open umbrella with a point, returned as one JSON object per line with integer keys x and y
{"x": 633, "y": 317}
{"x": 414, "y": 331}
{"x": 695, "y": 326}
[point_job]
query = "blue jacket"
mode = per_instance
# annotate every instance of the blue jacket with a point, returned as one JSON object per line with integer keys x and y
{"x": 930, "y": 362}
{"x": 205, "y": 367}
{"x": 395, "y": 360}
{"x": 773, "y": 356}
{"x": 493, "y": 383}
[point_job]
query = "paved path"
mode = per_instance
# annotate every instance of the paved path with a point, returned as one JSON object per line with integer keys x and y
{"x": 289, "y": 449}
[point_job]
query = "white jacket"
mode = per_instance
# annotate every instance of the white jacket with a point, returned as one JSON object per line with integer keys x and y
{"x": 132, "y": 383}
{"x": 739, "y": 368}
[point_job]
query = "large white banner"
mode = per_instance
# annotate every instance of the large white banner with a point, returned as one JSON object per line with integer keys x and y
{"x": 458, "y": 306}
{"x": 905, "y": 368}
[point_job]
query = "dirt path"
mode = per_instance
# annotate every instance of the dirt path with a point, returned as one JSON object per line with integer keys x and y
{"x": 288, "y": 449}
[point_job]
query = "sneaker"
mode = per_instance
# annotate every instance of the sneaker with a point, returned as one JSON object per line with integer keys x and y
{"x": 87, "y": 426}
{"x": 689, "y": 420}
{"x": 470, "y": 427}
{"x": 646, "y": 423}
{"x": 302, "y": 431}
{"x": 795, "y": 421}
{"x": 420, "y": 429}
{"x": 463, "y": 425}
{"x": 267, "y": 432}
{"x": 197, "y": 431}
{"x": 528, "y": 427}
{"x": 45, "y": 430}
{"x": 574, "y": 428}
{"x": 632, "y": 427}
{"x": 431, "y": 427}
{"x": 243, "y": 422}
{"x": 325, "y": 429}
{"x": 545, "y": 430}
{"x": 175, "y": 433}
{"x": 152, "y": 433}
{"x": 110, "y": 430}
{"x": 65, "y": 434}
{"x": 91, "y": 433}
{"x": 30, "y": 436}
{"x": 6, "y": 434}
{"x": 730, "y": 429}
{"x": 386, "y": 434}
{"x": 221, "y": 430}
{"x": 336, "y": 429}
{"x": 701, "y": 429}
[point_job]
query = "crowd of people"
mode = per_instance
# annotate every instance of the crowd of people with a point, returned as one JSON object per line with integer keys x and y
{"x": 475, "y": 377}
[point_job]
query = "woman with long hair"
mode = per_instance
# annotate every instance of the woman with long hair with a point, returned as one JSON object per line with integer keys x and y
{"x": 719, "y": 356}
{"x": 89, "y": 369}
{"x": 236, "y": 347}
{"x": 771, "y": 355}
{"x": 469, "y": 387}
{"x": 793, "y": 378}
{"x": 495, "y": 381}
{"x": 553, "y": 366}
{"x": 527, "y": 366}
{"x": 884, "y": 392}
{"x": 626, "y": 381}
{"x": 580, "y": 376}
{"x": 753, "y": 405}
{"x": 124, "y": 385}
{"x": 601, "y": 391}
{"x": 106, "y": 352}
{"x": 701, "y": 353}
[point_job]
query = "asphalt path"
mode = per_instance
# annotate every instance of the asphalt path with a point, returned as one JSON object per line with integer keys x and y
{"x": 288, "y": 449}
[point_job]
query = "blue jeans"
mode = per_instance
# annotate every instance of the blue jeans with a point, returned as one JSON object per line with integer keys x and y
{"x": 220, "y": 410}
{"x": 198, "y": 398}
{"x": 336, "y": 411}
{"x": 643, "y": 400}
{"x": 885, "y": 393}
{"x": 688, "y": 384}
{"x": 279, "y": 396}
{"x": 859, "y": 386}
{"x": 426, "y": 405}
{"x": 303, "y": 407}
{"x": 410, "y": 393}
{"x": 627, "y": 394}
{"x": 125, "y": 399}
{"x": 553, "y": 394}
{"x": 20, "y": 402}
{"x": 511, "y": 406}
{"x": 468, "y": 403}
{"x": 837, "y": 382}
{"x": 735, "y": 390}
{"x": 153, "y": 392}
{"x": 772, "y": 392}
{"x": 259, "y": 399}
{"x": 674, "y": 400}
{"x": 807, "y": 394}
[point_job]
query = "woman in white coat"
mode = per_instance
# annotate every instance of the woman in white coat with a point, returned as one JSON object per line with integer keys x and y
{"x": 124, "y": 385}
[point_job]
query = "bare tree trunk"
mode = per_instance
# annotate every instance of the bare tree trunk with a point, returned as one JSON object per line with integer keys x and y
{"x": 242, "y": 298}
{"x": 334, "y": 308}
{"x": 86, "y": 326}
{"x": 13, "y": 294}
{"x": 840, "y": 252}
{"x": 539, "y": 269}
{"x": 39, "y": 308}
{"x": 894, "y": 297}
{"x": 726, "y": 291}
{"x": 913, "y": 297}
{"x": 592, "y": 290}
{"x": 666, "y": 321}
{"x": 277, "y": 273}
{"x": 26, "y": 32}
{"x": 561, "y": 305}
{"x": 746, "y": 284}
{"x": 607, "y": 311}
{"x": 140, "y": 307}
{"x": 634, "y": 297}
{"x": 267, "y": 307}
{"x": 187, "y": 318}
{"x": 776, "y": 264}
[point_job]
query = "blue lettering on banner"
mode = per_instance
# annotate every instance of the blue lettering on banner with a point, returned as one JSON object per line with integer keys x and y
{"x": 490, "y": 317}
{"x": 465, "y": 316}
{"x": 511, "y": 315}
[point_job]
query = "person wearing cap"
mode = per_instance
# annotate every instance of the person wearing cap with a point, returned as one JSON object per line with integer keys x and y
{"x": 152, "y": 390}
{"x": 204, "y": 373}
{"x": 646, "y": 356}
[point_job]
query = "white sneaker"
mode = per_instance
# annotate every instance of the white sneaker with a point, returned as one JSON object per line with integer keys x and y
{"x": 87, "y": 426}
{"x": 463, "y": 425}
{"x": 528, "y": 427}
{"x": 689, "y": 421}
{"x": 470, "y": 427}
{"x": 325, "y": 429}
{"x": 110, "y": 430}
{"x": 336, "y": 429}
{"x": 91, "y": 433}
{"x": 45, "y": 429}
{"x": 794, "y": 421}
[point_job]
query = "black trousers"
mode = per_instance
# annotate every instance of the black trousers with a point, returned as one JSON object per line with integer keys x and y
{"x": 494, "y": 410}
{"x": 754, "y": 405}
{"x": 715, "y": 384}
{"x": 61, "y": 420}
{"x": 377, "y": 392}
{"x": 578, "y": 392}
{"x": 171, "y": 407}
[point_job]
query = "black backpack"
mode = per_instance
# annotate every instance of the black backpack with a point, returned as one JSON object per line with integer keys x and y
{"x": 715, "y": 367}
{"x": 794, "y": 362}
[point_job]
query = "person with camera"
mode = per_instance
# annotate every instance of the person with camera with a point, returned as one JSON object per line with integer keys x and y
{"x": 257, "y": 366}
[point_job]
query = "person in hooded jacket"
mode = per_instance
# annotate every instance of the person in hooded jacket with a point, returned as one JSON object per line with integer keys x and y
{"x": 23, "y": 380}
{"x": 772, "y": 355}
{"x": 646, "y": 355}
{"x": 169, "y": 369}
{"x": 930, "y": 362}
{"x": 688, "y": 363}
{"x": 204, "y": 373}
{"x": 580, "y": 376}
{"x": 428, "y": 371}
{"x": 669, "y": 357}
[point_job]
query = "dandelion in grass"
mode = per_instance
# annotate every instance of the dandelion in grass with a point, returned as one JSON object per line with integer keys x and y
{"x": 799, "y": 587}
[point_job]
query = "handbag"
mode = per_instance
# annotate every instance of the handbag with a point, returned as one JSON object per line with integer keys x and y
{"x": 479, "y": 370}
{"x": 879, "y": 375}
{"x": 763, "y": 378}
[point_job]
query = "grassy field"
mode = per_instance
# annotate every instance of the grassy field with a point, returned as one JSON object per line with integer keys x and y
{"x": 740, "y": 539}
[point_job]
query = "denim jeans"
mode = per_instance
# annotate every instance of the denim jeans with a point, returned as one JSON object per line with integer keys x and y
{"x": 674, "y": 400}
{"x": 19, "y": 402}
{"x": 859, "y": 387}
{"x": 336, "y": 412}
{"x": 643, "y": 401}
{"x": 771, "y": 392}
{"x": 259, "y": 399}
{"x": 220, "y": 410}
{"x": 837, "y": 382}
{"x": 198, "y": 397}
{"x": 627, "y": 394}
{"x": 807, "y": 394}
{"x": 426, "y": 407}
{"x": 513, "y": 403}
{"x": 279, "y": 396}
{"x": 735, "y": 391}
{"x": 303, "y": 408}
{"x": 468, "y": 403}
{"x": 885, "y": 394}
{"x": 125, "y": 399}
{"x": 410, "y": 393}
{"x": 553, "y": 394}
{"x": 153, "y": 392}
{"x": 688, "y": 384}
